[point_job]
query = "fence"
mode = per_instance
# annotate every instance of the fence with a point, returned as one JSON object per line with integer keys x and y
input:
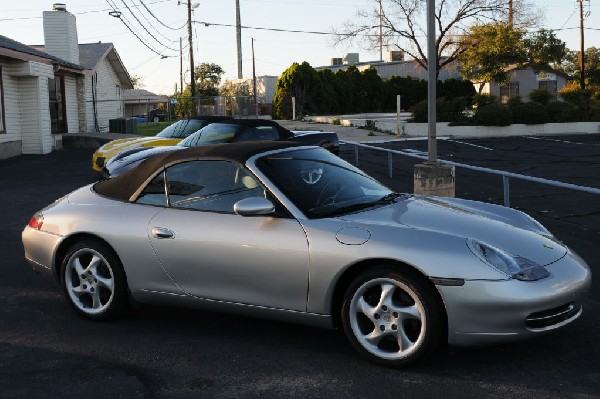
{"x": 506, "y": 176}
{"x": 240, "y": 106}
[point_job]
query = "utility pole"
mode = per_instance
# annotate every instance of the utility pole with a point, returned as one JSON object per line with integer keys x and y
{"x": 510, "y": 13}
{"x": 238, "y": 29}
{"x": 433, "y": 177}
{"x": 180, "y": 66}
{"x": 581, "y": 49}
{"x": 431, "y": 82}
{"x": 380, "y": 32}
{"x": 254, "y": 81}
{"x": 191, "y": 44}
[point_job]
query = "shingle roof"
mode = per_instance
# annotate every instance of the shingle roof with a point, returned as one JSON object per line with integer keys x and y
{"x": 23, "y": 48}
{"x": 90, "y": 54}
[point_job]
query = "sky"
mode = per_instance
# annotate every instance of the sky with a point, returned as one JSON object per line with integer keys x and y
{"x": 274, "y": 51}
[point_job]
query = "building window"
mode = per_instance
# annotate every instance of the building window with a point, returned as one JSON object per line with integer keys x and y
{"x": 2, "y": 113}
{"x": 549, "y": 85}
{"x": 508, "y": 90}
{"x": 58, "y": 108}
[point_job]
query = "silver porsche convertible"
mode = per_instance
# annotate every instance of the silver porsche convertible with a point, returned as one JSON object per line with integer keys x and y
{"x": 294, "y": 233}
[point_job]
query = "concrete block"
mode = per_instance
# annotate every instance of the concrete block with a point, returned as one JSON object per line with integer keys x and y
{"x": 432, "y": 178}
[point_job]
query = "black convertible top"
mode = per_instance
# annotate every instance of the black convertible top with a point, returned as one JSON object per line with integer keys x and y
{"x": 210, "y": 118}
{"x": 124, "y": 186}
{"x": 283, "y": 132}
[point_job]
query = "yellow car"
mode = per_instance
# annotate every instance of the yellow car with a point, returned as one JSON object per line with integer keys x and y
{"x": 170, "y": 135}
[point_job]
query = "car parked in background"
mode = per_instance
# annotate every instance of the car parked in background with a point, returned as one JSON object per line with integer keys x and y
{"x": 157, "y": 115}
{"x": 294, "y": 233}
{"x": 170, "y": 135}
{"x": 231, "y": 131}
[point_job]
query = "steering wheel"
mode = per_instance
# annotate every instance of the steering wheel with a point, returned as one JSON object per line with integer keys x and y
{"x": 329, "y": 193}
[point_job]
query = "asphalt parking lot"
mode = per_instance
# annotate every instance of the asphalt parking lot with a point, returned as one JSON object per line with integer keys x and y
{"x": 158, "y": 352}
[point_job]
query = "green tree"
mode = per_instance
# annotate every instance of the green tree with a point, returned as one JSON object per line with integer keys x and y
{"x": 302, "y": 82}
{"x": 137, "y": 81}
{"x": 488, "y": 50}
{"x": 330, "y": 93}
{"x": 544, "y": 48}
{"x": 412, "y": 91}
{"x": 208, "y": 79}
{"x": 570, "y": 66}
{"x": 402, "y": 23}
{"x": 184, "y": 108}
{"x": 371, "y": 91}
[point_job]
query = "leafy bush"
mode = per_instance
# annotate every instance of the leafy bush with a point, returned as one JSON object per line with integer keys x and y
{"x": 447, "y": 110}
{"x": 514, "y": 102}
{"x": 370, "y": 125}
{"x": 561, "y": 111}
{"x": 530, "y": 113}
{"x": 541, "y": 96}
{"x": 455, "y": 88}
{"x": 419, "y": 112}
{"x": 481, "y": 100}
{"x": 493, "y": 114}
{"x": 574, "y": 95}
{"x": 336, "y": 122}
{"x": 452, "y": 110}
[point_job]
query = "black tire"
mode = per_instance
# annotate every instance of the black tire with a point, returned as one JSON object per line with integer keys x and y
{"x": 406, "y": 321}
{"x": 93, "y": 280}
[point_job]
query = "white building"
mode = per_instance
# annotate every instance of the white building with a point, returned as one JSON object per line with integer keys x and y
{"x": 265, "y": 90}
{"x": 394, "y": 65}
{"x": 522, "y": 81}
{"x": 58, "y": 88}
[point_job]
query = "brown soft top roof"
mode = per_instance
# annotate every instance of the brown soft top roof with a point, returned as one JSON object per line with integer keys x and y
{"x": 124, "y": 186}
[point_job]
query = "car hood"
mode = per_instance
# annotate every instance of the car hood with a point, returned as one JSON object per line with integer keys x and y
{"x": 122, "y": 144}
{"x": 504, "y": 228}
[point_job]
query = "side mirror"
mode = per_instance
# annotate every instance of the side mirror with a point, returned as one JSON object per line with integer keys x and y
{"x": 254, "y": 206}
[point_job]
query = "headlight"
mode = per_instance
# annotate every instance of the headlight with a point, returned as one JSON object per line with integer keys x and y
{"x": 513, "y": 266}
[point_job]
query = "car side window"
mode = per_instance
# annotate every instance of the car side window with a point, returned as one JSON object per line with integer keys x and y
{"x": 154, "y": 193}
{"x": 266, "y": 133}
{"x": 212, "y": 186}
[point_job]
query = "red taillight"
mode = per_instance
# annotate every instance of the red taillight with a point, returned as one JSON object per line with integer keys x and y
{"x": 36, "y": 221}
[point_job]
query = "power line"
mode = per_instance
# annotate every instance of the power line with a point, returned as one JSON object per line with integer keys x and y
{"x": 143, "y": 27}
{"x": 77, "y": 13}
{"x": 117, "y": 14}
{"x": 151, "y": 25}
{"x": 276, "y": 29}
{"x": 161, "y": 22}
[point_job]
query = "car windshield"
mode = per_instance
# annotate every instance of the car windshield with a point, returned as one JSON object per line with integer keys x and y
{"x": 181, "y": 129}
{"x": 212, "y": 134}
{"x": 321, "y": 184}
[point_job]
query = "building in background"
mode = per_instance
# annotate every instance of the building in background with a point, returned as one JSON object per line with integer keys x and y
{"x": 523, "y": 81}
{"x": 393, "y": 65}
{"x": 241, "y": 91}
{"x": 142, "y": 102}
{"x": 57, "y": 88}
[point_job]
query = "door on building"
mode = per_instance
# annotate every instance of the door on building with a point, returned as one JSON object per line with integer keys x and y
{"x": 58, "y": 109}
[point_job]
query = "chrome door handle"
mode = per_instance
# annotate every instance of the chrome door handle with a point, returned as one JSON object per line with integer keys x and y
{"x": 161, "y": 232}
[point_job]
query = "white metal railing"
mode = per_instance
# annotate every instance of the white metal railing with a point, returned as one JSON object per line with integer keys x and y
{"x": 506, "y": 176}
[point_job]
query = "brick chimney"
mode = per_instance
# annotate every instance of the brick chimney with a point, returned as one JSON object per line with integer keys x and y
{"x": 60, "y": 33}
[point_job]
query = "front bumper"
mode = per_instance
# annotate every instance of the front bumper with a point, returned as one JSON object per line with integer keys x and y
{"x": 485, "y": 312}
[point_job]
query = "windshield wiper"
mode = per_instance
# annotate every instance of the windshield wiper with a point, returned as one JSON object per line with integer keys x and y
{"x": 389, "y": 197}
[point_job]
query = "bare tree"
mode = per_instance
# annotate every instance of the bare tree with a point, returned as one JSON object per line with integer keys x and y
{"x": 403, "y": 25}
